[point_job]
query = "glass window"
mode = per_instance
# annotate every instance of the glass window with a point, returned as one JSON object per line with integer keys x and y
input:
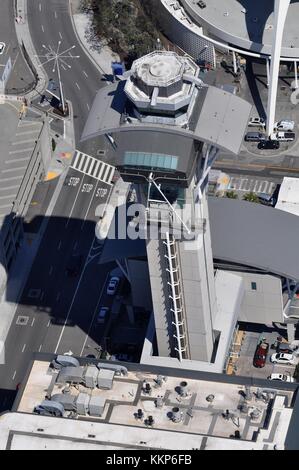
{"x": 151, "y": 160}
{"x": 253, "y": 286}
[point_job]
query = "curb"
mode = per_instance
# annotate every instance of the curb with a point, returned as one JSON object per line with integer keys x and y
{"x": 81, "y": 43}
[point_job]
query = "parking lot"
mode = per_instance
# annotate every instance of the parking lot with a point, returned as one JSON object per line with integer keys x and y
{"x": 244, "y": 364}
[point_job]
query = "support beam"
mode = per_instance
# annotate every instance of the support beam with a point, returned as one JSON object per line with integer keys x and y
{"x": 280, "y": 14}
{"x": 268, "y": 72}
{"x": 296, "y": 75}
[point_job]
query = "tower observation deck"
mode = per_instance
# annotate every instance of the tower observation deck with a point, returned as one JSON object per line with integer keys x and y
{"x": 165, "y": 127}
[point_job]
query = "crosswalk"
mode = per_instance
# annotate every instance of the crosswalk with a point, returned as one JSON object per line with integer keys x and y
{"x": 251, "y": 185}
{"x": 93, "y": 167}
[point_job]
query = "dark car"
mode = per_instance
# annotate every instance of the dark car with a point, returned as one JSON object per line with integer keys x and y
{"x": 255, "y": 137}
{"x": 74, "y": 265}
{"x": 261, "y": 354}
{"x": 268, "y": 144}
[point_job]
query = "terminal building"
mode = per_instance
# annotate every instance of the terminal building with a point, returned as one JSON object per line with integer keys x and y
{"x": 251, "y": 30}
{"x": 164, "y": 128}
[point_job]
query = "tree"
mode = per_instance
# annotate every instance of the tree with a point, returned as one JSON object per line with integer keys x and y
{"x": 251, "y": 197}
{"x": 231, "y": 195}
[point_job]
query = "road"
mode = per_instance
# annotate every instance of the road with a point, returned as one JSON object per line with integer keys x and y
{"x": 51, "y": 296}
{"x": 50, "y": 22}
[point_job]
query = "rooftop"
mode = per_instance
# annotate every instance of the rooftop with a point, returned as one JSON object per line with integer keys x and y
{"x": 246, "y": 24}
{"x": 206, "y": 409}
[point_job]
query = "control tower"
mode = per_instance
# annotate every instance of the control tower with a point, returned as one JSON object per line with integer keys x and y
{"x": 165, "y": 127}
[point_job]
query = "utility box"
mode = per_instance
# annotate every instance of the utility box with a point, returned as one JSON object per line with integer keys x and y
{"x": 90, "y": 376}
{"x": 96, "y": 406}
{"x": 82, "y": 403}
{"x": 105, "y": 378}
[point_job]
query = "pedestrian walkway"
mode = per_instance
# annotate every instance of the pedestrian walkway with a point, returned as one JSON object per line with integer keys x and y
{"x": 251, "y": 185}
{"x": 93, "y": 167}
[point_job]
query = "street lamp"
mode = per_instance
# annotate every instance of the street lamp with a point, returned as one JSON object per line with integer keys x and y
{"x": 58, "y": 57}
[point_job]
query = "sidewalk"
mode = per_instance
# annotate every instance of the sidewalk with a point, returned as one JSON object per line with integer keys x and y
{"x": 101, "y": 59}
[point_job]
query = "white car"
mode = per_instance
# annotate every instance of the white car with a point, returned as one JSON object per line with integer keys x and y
{"x": 283, "y": 358}
{"x": 281, "y": 377}
{"x": 113, "y": 285}
{"x": 284, "y": 125}
{"x": 2, "y": 46}
{"x": 283, "y": 136}
{"x": 257, "y": 122}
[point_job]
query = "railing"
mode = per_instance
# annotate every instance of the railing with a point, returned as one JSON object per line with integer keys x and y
{"x": 176, "y": 298}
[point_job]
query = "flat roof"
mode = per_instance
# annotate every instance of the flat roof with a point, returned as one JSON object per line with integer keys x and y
{"x": 201, "y": 422}
{"x": 247, "y": 24}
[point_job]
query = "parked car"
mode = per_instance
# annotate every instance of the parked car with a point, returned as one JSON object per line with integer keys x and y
{"x": 283, "y": 136}
{"x": 2, "y": 47}
{"x": 260, "y": 355}
{"x": 113, "y": 285}
{"x": 268, "y": 144}
{"x": 284, "y": 348}
{"x": 255, "y": 137}
{"x": 284, "y": 125}
{"x": 281, "y": 378}
{"x": 257, "y": 122}
{"x": 102, "y": 315}
{"x": 283, "y": 358}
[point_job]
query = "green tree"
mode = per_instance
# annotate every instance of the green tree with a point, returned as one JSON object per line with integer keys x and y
{"x": 231, "y": 195}
{"x": 251, "y": 197}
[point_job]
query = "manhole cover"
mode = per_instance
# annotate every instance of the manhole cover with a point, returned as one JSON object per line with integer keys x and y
{"x": 34, "y": 293}
{"x": 22, "y": 320}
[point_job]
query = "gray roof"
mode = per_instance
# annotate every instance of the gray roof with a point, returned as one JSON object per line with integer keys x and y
{"x": 222, "y": 118}
{"x": 254, "y": 235}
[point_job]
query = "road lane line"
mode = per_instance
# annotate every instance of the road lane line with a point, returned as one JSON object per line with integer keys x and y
{"x": 49, "y": 322}
{"x": 60, "y": 35}
{"x": 77, "y": 86}
{"x": 75, "y": 246}
{"x": 59, "y": 245}
{"x": 67, "y": 222}
{"x": 43, "y": 29}
{"x": 33, "y": 321}
{"x": 13, "y": 377}
{"x": 88, "y": 107}
{"x": 55, "y": 14}
{"x": 85, "y": 73}
{"x": 40, "y": 348}
{"x": 40, "y": 7}
{"x": 74, "y": 297}
{"x": 24, "y": 348}
{"x": 94, "y": 314}
{"x": 50, "y": 270}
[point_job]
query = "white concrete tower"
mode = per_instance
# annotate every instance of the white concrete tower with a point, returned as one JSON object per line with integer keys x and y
{"x": 280, "y": 14}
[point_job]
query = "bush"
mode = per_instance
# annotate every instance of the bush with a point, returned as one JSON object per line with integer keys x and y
{"x": 251, "y": 197}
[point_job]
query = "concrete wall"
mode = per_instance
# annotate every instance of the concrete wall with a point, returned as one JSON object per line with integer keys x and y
{"x": 263, "y": 305}
{"x": 181, "y": 32}
{"x": 140, "y": 284}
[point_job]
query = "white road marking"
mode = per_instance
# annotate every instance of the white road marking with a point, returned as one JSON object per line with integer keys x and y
{"x": 39, "y": 349}
{"x": 43, "y": 29}
{"x": 14, "y": 169}
{"x": 13, "y": 377}
{"x": 33, "y": 322}
{"x": 73, "y": 300}
{"x": 19, "y": 142}
{"x": 59, "y": 245}
{"x": 77, "y": 86}
{"x": 67, "y": 222}
{"x": 21, "y": 151}
{"x": 90, "y": 202}
{"x": 75, "y": 246}
{"x": 55, "y": 14}
{"x": 58, "y": 296}
{"x": 60, "y": 35}
{"x": 14, "y": 160}
{"x": 50, "y": 270}
{"x": 24, "y": 348}
{"x": 49, "y": 322}
{"x": 85, "y": 73}
{"x": 94, "y": 314}
{"x": 40, "y": 7}
{"x": 88, "y": 107}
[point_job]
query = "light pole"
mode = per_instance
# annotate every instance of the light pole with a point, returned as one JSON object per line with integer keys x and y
{"x": 58, "y": 57}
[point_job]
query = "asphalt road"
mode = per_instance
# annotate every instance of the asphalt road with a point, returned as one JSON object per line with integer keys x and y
{"x": 60, "y": 308}
{"x": 50, "y": 22}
